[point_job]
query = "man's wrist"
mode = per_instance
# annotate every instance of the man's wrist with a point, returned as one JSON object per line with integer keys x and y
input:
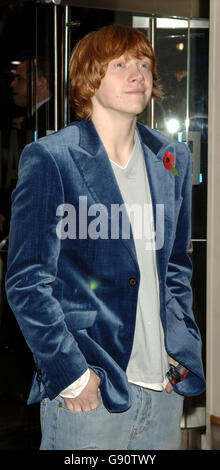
{"x": 74, "y": 389}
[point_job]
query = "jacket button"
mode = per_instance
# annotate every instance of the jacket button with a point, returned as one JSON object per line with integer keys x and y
{"x": 39, "y": 374}
{"x": 132, "y": 281}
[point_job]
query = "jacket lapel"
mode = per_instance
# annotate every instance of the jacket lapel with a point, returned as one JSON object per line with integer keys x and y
{"x": 162, "y": 186}
{"x": 99, "y": 176}
{"x": 97, "y": 168}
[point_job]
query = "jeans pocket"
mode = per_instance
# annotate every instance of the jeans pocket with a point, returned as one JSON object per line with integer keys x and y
{"x": 76, "y": 430}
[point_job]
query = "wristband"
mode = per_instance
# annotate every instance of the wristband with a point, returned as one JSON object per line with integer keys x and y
{"x": 177, "y": 373}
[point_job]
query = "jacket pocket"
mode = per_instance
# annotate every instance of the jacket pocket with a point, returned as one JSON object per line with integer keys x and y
{"x": 80, "y": 319}
{"x": 174, "y": 307}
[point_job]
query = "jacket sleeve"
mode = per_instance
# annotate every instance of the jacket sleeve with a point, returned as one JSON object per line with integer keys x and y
{"x": 183, "y": 336}
{"x": 33, "y": 257}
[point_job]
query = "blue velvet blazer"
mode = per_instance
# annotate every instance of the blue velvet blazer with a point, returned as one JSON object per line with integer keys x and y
{"x": 73, "y": 298}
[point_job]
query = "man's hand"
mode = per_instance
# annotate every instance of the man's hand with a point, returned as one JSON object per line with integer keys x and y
{"x": 169, "y": 387}
{"x": 88, "y": 398}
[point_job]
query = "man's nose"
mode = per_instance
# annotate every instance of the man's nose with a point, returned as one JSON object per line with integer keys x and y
{"x": 12, "y": 84}
{"x": 136, "y": 73}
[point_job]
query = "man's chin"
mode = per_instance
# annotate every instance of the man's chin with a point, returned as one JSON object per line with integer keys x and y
{"x": 17, "y": 102}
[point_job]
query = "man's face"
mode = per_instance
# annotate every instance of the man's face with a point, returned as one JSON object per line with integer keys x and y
{"x": 19, "y": 85}
{"x": 126, "y": 87}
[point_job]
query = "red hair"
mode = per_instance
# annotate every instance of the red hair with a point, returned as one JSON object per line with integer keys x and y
{"x": 90, "y": 58}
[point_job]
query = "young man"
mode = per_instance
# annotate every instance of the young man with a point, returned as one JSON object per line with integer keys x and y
{"x": 39, "y": 114}
{"x": 98, "y": 272}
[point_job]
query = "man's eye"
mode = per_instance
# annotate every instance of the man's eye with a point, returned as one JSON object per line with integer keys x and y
{"x": 145, "y": 65}
{"x": 120, "y": 65}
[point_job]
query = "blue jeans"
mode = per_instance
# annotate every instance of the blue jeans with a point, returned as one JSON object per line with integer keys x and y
{"x": 152, "y": 422}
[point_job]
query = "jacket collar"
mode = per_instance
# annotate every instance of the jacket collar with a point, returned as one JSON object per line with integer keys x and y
{"x": 89, "y": 139}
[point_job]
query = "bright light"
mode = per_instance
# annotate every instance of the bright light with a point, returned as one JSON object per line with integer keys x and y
{"x": 173, "y": 125}
{"x": 187, "y": 123}
{"x": 15, "y": 62}
{"x": 180, "y": 46}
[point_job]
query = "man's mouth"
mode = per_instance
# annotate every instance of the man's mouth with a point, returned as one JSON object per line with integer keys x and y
{"x": 136, "y": 92}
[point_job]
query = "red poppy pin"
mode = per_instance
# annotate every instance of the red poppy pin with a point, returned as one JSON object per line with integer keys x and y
{"x": 168, "y": 161}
